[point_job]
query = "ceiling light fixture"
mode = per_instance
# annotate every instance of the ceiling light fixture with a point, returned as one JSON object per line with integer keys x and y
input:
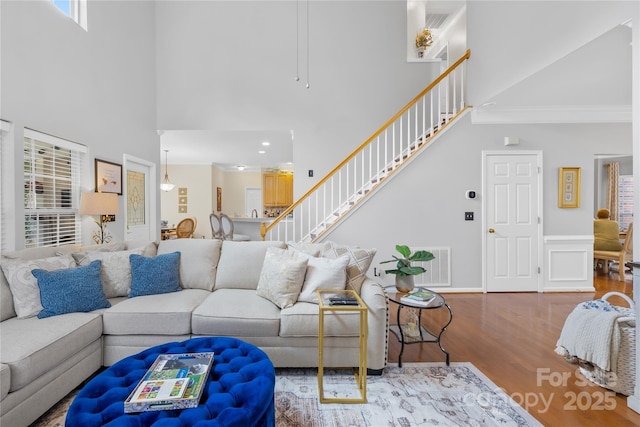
{"x": 166, "y": 185}
{"x": 266, "y": 143}
{"x": 261, "y": 152}
{"x": 240, "y": 167}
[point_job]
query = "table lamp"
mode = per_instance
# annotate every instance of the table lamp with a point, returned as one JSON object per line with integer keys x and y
{"x": 102, "y": 205}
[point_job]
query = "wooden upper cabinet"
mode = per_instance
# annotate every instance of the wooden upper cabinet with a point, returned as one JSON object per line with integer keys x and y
{"x": 269, "y": 189}
{"x": 277, "y": 189}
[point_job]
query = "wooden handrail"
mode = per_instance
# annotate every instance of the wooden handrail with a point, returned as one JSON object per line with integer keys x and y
{"x": 264, "y": 229}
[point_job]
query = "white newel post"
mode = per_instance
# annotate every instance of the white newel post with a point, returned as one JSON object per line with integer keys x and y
{"x": 633, "y": 401}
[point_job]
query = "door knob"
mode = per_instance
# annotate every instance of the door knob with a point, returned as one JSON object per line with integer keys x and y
{"x": 491, "y": 230}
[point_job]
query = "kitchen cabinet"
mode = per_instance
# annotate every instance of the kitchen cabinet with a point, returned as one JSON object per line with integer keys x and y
{"x": 277, "y": 189}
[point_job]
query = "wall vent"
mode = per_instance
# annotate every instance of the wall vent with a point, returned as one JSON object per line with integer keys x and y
{"x": 438, "y": 272}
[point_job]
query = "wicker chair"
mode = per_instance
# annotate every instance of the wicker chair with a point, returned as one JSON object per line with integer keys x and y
{"x": 622, "y": 257}
{"x": 185, "y": 228}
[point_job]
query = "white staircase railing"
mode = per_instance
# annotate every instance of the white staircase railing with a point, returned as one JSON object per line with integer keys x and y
{"x": 405, "y": 134}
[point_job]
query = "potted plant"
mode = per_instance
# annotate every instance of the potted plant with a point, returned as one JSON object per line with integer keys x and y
{"x": 404, "y": 271}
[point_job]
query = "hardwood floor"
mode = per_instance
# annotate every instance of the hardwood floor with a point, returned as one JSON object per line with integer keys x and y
{"x": 511, "y": 338}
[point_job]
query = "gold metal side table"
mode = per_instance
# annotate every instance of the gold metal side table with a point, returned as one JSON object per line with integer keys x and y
{"x": 326, "y": 307}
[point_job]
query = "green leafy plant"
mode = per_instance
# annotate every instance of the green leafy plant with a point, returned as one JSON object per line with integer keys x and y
{"x": 403, "y": 266}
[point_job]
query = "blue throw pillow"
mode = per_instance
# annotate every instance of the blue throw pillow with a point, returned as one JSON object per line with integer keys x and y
{"x": 155, "y": 275}
{"x": 70, "y": 290}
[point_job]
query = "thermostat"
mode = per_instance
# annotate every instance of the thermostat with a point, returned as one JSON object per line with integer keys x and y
{"x": 470, "y": 194}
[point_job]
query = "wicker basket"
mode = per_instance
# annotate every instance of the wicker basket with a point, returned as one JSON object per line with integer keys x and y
{"x": 623, "y": 380}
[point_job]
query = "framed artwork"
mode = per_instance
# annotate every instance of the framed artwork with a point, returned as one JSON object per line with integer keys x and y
{"x": 182, "y": 191}
{"x": 182, "y": 200}
{"x": 569, "y": 188}
{"x": 219, "y": 199}
{"x": 182, "y": 208}
{"x": 108, "y": 177}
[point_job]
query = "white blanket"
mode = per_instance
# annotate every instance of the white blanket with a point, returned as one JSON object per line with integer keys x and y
{"x": 593, "y": 336}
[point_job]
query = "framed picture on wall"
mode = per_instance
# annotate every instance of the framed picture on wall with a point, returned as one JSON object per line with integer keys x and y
{"x": 219, "y": 199}
{"x": 569, "y": 188}
{"x": 108, "y": 177}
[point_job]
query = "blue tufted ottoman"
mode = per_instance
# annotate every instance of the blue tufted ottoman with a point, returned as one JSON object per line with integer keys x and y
{"x": 239, "y": 391}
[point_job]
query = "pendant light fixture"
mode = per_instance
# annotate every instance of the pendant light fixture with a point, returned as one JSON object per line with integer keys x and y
{"x": 297, "y": 78}
{"x": 166, "y": 185}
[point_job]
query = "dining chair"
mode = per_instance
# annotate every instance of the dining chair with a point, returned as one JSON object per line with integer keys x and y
{"x": 227, "y": 229}
{"x": 216, "y": 226}
{"x": 185, "y": 228}
{"x": 621, "y": 257}
{"x": 227, "y": 226}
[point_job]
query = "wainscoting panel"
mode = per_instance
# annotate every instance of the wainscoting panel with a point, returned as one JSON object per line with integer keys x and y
{"x": 568, "y": 264}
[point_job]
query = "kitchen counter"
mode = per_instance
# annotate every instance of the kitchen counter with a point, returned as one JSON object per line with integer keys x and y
{"x": 250, "y": 226}
{"x": 258, "y": 220}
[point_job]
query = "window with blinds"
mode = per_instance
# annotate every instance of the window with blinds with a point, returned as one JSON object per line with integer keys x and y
{"x": 52, "y": 170}
{"x": 4, "y": 132}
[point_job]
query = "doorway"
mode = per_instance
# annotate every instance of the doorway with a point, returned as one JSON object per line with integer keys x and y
{"x": 139, "y": 199}
{"x": 253, "y": 200}
{"x": 512, "y": 221}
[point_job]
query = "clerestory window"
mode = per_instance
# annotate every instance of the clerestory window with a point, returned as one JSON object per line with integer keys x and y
{"x": 75, "y": 9}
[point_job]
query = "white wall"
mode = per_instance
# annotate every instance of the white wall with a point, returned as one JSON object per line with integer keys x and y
{"x": 96, "y": 88}
{"x": 197, "y": 181}
{"x": 201, "y": 182}
{"x": 233, "y": 191}
{"x": 596, "y": 74}
{"x": 231, "y": 65}
{"x": 511, "y": 40}
{"x": 424, "y": 205}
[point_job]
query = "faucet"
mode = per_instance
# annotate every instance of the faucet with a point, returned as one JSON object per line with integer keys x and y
{"x": 254, "y": 212}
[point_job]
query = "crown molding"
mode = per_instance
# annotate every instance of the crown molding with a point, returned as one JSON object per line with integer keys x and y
{"x": 553, "y": 114}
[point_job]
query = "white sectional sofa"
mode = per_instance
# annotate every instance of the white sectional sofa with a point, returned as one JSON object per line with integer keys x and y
{"x": 225, "y": 289}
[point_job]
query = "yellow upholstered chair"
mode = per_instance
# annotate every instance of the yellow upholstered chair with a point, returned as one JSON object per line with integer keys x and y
{"x": 623, "y": 256}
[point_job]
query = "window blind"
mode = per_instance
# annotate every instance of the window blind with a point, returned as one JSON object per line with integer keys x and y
{"x": 52, "y": 170}
{"x": 4, "y": 132}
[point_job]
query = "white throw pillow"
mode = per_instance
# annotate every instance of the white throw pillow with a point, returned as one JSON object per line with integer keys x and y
{"x": 323, "y": 273}
{"x": 312, "y": 249}
{"x": 282, "y": 276}
{"x": 115, "y": 271}
{"x": 23, "y": 284}
{"x": 198, "y": 261}
{"x": 359, "y": 261}
{"x": 241, "y": 263}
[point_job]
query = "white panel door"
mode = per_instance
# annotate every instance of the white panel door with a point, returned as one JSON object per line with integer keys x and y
{"x": 511, "y": 221}
{"x": 253, "y": 200}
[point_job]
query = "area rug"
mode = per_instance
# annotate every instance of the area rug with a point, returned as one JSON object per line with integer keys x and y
{"x": 418, "y": 394}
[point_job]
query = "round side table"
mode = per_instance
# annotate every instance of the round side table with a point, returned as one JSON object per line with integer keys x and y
{"x": 239, "y": 390}
{"x": 423, "y": 334}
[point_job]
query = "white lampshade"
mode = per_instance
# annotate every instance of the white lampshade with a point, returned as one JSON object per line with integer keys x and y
{"x": 98, "y": 204}
{"x": 166, "y": 184}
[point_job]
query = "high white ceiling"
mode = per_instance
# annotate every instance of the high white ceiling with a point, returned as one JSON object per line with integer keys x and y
{"x": 229, "y": 149}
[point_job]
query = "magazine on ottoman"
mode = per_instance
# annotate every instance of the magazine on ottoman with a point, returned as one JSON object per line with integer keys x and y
{"x": 174, "y": 381}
